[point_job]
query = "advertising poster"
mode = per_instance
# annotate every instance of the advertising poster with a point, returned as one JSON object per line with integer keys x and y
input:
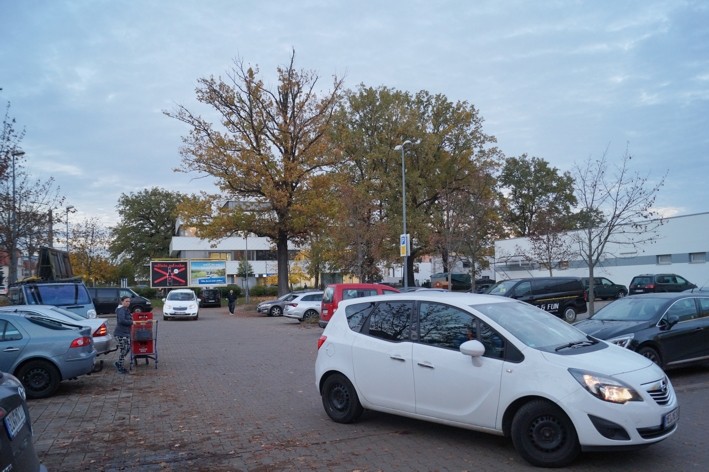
{"x": 168, "y": 274}
{"x": 208, "y": 273}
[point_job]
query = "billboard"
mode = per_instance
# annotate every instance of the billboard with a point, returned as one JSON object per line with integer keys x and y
{"x": 169, "y": 274}
{"x": 208, "y": 273}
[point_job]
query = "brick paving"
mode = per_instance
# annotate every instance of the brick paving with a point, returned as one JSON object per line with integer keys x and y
{"x": 237, "y": 393}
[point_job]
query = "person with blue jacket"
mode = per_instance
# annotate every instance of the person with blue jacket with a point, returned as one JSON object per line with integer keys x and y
{"x": 124, "y": 321}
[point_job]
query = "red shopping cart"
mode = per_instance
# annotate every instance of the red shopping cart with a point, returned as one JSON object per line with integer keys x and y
{"x": 143, "y": 339}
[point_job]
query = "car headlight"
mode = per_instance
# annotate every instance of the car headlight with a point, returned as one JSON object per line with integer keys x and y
{"x": 622, "y": 341}
{"x": 605, "y": 388}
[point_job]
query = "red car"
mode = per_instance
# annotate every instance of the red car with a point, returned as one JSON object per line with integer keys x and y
{"x": 334, "y": 293}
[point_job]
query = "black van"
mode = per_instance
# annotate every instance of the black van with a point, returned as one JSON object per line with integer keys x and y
{"x": 107, "y": 299}
{"x": 562, "y": 296}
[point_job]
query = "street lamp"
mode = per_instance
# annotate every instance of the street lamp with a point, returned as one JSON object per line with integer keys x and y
{"x": 72, "y": 209}
{"x": 404, "y": 241}
{"x": 12, "y": 276}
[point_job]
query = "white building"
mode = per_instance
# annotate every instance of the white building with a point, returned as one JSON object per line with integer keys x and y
{"x": 681, "y": 248}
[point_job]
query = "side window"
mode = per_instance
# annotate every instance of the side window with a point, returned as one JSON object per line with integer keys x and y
{"x": 494, "y": 343}
{"x": 680, "y": 280}
{"x": 127, "y": 293}
{"x": 391, "y": 321}
{"x": 703, "y": 307}
{"x": 312, "y": 298}
{"x": 522, "y": 289}
{"x": 348, "y": 294}
{"x": 357, "y": 314}
{"x": 8, "y": 332}
{"x": 606, "y": 282}
{"x": 684, "y": 309}
{"x": 444, "y": 326}
{"x": 104, "y": 293}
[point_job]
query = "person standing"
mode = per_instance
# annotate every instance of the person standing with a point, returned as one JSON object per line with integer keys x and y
{"x": 124, "y": 321}
{"x": 231, "y": 298}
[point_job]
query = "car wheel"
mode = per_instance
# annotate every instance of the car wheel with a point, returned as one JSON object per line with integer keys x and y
{"x": 164, "y": 318}
{"x": 40, "y": 379}
{"x": 651, "y": 354}
{"x": 276, "y": 311}
{"x": 620, "y": 294}
{"x": 544, "y": 436}
{"x": 569, "y": 314}
{"x": 340, "y": 399}
{"x": 138, "y": 309}
{"x": 310, "y": 315}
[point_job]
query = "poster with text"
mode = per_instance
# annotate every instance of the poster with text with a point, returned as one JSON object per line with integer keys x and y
{"x": 168, "y": 274}
{"x": 208, "y": 273}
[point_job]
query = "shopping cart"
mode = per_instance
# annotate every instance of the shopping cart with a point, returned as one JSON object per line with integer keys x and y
{"x": 143, "y": 339}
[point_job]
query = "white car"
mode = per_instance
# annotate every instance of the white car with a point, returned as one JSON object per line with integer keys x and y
{"x": 180, "y": 303}
{"x": 304, "y": 307}
{"x": 495, "y": 365}
{"x": 103, "y": 339}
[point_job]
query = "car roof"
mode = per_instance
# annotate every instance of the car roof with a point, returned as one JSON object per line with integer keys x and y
{"x": 459, "y": 298}
{"x": 668, "y": 295}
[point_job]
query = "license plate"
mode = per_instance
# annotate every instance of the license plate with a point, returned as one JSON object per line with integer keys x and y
{"x": 14, "y": 421}
{"x": 670, "y": 419}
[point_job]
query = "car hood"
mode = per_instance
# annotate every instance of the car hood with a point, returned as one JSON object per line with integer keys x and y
{"x": 613, "y": 360}
{"x": 606, "y": 329}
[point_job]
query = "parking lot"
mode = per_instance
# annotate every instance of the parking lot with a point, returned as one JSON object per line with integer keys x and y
{"x": 236, "y": 393}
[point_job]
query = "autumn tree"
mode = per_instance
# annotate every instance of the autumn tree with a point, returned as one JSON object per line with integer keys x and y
{"x": 147, "y": 224}
{"x": 534, "y": 188}
{"x": 269, "y": 153}
{"x": 549, "y": 243}
{"x": 616, "y": 205}
{"x": 89, "y": 253}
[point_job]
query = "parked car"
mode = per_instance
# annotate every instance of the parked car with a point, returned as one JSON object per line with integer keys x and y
{"x": 278, "y": 306}
{"x": 604, "y": 288}
{"x": 180, "y": 303}
{"x": 42, "y": 351}
{"x": 107, "y": 299}
{"x": 71, "y": 295}
{"x": 210, "y": 297}
{"x": 562, "y": 296}
{"x": 103, "y": 339}
{"x": 495, "y": 365}
{"x": 651, "y": 283}
{"x": 305, "y": 306}
{"x": 17, "y": 450}
{"x": 671, "y": 329}
{"x": 335, "y": 293}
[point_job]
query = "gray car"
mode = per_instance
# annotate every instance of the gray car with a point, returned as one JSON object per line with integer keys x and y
{"x": 278, "y": 307}
{"x": 42, "y": 352}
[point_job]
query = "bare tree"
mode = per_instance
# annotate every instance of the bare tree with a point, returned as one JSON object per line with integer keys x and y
{"x": 615, "y": 207}
{"x": 549, "y": 241}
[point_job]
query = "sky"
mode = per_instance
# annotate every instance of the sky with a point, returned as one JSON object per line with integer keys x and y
{"x": 564, "y": 81}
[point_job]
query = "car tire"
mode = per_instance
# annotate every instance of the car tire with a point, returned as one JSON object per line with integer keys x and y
{"x": 569, "y": 314}
{"x": 310, "y": 315}
{"x": 620, "y": 294}
{"x": 40, "y": 378}
{"x": 340, "y": 399}
{"x": 165, "y": 318}
{"x": 275, "y": 311}
{"x": 651, "y": 354}
{"x": 138, "y": 309}
{"x": 544, "y": 436}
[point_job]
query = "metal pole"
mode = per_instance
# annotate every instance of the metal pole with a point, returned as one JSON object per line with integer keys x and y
{"x": 403, "y": 199}
{"x": 72, "y": 209}
{"x": 12, "y": 276}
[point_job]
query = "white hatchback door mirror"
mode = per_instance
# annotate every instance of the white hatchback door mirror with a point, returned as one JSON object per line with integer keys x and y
{"x": 472, "y": 348}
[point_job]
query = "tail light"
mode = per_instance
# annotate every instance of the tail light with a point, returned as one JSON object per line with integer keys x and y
{"x": 101, "y": 331}
{"x": 321, "y": 341}
{"x": 81, "y": 342}
{"x": 650, "y": 286}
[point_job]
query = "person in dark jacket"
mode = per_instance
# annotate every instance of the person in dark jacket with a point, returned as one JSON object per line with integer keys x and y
{"x": 231, "y": 298}
{"x": 124, "y": 321}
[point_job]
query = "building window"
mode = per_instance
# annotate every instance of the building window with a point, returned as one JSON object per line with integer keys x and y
{"x": 563, "y": 265}
{"x": 220, "y": 256}
{"x": 697, "y": 257}
{"x": 664, "y": 259}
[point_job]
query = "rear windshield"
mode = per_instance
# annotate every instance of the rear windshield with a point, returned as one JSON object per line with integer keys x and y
{"x": 327, "y": 296}
{"x": 642, "y": 280}
{"x": 58, "y": 294}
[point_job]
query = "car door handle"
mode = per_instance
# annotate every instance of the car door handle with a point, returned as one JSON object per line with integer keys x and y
{"x": 427, "y": 365}
{"x": 11, "y": 349}
{"x": 397, "y": 357}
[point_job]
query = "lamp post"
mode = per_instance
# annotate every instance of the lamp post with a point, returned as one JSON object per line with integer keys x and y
{"x": 72, "y": 209}
{"x": 404, "y": 237}
{"x": 12, "y": 276}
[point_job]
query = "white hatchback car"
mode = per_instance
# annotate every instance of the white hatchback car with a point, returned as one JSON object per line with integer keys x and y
{"x": 180, "y": 303}
{"x": 496, "y": 365}
{"x": 304, "y": 307}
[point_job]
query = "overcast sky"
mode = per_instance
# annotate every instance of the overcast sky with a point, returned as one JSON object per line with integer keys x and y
{"x": 559, "y": 80}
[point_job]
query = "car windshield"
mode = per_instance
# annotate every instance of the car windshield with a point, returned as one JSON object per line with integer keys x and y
{"x": 632, "y": 309}
{"x": 180, "y": 296}
{"x": 501, "y": 288}
{"x": 534, "y": 327}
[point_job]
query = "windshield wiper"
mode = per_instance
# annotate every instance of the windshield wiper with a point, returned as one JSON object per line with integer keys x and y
{"x": 576, "y": 344}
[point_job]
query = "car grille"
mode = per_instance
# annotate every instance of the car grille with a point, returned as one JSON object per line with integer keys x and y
{"x": 180, "y": 308}
{"x": 660, "y": 391}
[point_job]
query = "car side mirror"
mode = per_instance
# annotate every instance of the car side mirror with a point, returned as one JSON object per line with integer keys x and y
{"x": 473, "y": 348}
{"x": 669, "y": 322}
{"x": 164, "y": 299}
